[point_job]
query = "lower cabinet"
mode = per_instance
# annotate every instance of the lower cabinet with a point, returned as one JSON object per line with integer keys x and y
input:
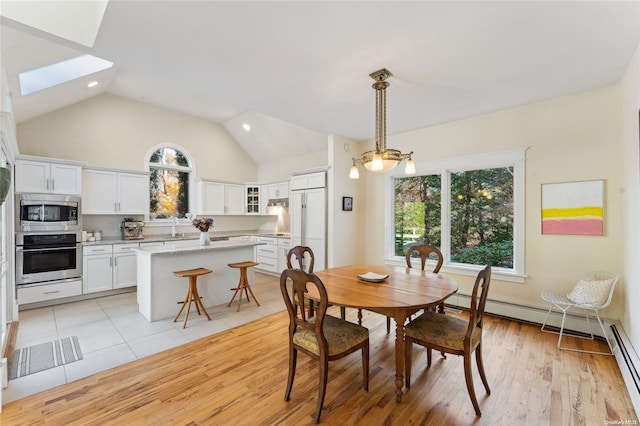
{"x": 267, "y": 254}
{"x": 107, "y": 267}
{"x": 272, "y": 256}
{"x": 57, "y": 290}
{"x": 124, "y": 265}
{"x": 284, "y": 245}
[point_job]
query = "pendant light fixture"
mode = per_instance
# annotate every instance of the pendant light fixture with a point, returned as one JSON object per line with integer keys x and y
{"x": 382, "y": 159}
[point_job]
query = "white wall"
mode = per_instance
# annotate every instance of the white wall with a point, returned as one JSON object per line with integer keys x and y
{"x": 111, "y": 131}
{"x": 630, "y": 291}
{"x": 571, "y": 138}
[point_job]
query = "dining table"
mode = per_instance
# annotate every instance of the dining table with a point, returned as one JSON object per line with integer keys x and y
{"x": 402, "y": 292}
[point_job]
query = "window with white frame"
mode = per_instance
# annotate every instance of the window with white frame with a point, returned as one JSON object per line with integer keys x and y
{"x": 471, "y": 208}
{"x": 168, "y": 183}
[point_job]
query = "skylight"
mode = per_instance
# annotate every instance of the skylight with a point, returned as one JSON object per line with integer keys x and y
{"x": 61, "y": 72}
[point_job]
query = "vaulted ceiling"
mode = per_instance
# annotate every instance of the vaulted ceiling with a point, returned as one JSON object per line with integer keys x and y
{"x": 298, "y": 71}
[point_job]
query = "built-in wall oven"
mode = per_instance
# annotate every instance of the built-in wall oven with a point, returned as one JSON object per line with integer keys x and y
{"x": 45, "y": 257}
{"x": 48, "y": 236}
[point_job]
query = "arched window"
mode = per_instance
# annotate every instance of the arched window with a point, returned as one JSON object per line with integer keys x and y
{"x": 169, "y": 183}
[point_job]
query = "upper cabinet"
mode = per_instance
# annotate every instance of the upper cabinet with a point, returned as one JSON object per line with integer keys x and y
{"x": 307, "y": 181}
{"x": 272, "y": 191}
{"x": 253, "y": 196}
{"x": 115, "y": 192}
{"x": 48, "y": 177}
{"x": 217, "y": 198}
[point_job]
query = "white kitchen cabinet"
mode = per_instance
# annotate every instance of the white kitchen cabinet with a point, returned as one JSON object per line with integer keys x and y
{"x": 218, "y": 198}
{"x": 113, "y": 192}
{"x": 106, "y": 267}
{"x": 267, "y": 254}
{"x": 284, "y": 245}
{"x": 211, "y": 198}
{"x": 253, "y": 195}
{"x": 307, "y": 181}
{"x": 51, "y": 291}
{"x": 235, "y": 198}
{"x": 124, "y": 265}
{"x": 96, "y": 269}
{"x": 48, "y": 177}
{"x": 272, "y": 191}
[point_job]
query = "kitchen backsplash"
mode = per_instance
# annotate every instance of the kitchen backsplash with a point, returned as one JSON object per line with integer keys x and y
{"x": 110, "y": 224}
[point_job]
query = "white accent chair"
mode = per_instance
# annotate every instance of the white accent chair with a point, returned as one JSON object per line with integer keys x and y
{"x": 592, "y": 294}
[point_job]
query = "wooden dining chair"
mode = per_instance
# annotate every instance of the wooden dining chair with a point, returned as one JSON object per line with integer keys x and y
{"x": 450, "y": 334}
{"x": 299, "y": 253}
{"x": 425, "y": 251}
{"x": 321, "y": 336}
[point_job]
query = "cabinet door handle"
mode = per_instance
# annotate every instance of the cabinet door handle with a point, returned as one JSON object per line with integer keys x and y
{"x": 47, "y": 183}
{"x": 51, "y": 292}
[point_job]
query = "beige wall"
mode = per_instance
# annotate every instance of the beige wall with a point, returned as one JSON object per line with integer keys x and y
{"x": 630, "y": 291}
{"x": 115, "y": 132}
{"x": 288, "y": 164}
{"x": 343, "y": 233}
{"x": 569, "y": 139}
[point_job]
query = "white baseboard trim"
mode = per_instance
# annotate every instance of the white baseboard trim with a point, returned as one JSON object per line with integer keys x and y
{"x": 575, "y": 321}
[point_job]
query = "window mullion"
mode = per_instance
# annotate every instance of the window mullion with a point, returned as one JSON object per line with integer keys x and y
{"x": 445, "y": 215}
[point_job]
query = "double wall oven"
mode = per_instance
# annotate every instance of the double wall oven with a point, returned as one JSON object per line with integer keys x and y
{"x": 48, "y": 234}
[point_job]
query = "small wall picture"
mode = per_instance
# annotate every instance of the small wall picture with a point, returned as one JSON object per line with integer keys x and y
{"x": 573, "y": 208}
{"x": 347, "y": 204}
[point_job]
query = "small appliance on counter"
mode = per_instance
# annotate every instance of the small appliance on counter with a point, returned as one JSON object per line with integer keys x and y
{"x": 132, "y": 229}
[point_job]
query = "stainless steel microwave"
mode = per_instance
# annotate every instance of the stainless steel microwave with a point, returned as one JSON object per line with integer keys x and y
{"x": 47, "y": 212}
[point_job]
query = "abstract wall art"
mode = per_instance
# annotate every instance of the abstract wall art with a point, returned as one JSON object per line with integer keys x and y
{"x": 573, "y": 208}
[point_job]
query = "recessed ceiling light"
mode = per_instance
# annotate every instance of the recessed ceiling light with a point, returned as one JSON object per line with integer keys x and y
{"x": 92, "y": 84}
{"x": 246, "y": 127}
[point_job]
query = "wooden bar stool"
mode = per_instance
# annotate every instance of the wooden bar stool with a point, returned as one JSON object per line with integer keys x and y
{"x": 244, "y": 282}
{"x": 192, "y": 292}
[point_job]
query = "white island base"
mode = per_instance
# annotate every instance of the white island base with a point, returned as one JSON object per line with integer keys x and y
{"x": 159, "y": 290}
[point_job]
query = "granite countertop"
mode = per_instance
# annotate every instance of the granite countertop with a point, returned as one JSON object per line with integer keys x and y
{"x": 215, "y": 236}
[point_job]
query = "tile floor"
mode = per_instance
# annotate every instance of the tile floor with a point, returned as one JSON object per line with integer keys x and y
{"x": 112, "y": 332}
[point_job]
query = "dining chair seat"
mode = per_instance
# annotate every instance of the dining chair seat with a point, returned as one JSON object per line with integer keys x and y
{"x": 442, "y": 330}
{"x": 340, "y": 335}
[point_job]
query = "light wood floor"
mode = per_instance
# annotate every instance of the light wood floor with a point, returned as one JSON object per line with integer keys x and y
{"x": 238, "y": 377}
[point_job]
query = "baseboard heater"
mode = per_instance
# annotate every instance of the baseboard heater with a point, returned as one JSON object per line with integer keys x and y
{"x": 625, "y": 355}
{"x": 628, "y": 362}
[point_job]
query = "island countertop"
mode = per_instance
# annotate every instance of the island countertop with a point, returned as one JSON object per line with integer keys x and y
{"x": 169, "y": 248}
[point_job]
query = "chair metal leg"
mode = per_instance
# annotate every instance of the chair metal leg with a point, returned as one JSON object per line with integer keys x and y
{"x": 562, "y": 333}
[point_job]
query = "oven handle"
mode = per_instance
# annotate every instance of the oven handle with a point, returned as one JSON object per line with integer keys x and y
{"x": 46, "y": 249}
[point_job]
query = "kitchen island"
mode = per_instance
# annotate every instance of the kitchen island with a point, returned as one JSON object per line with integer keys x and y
{"x": 159, "y": 290}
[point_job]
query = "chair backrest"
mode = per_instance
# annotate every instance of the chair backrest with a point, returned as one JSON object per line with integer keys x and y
{"x": 299, "y": 253}
{"x": 425, "y": 251}
{"x": 294, "y": 287}
{"x": 594, "y": 290}
{"x": 478, "y": 302}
